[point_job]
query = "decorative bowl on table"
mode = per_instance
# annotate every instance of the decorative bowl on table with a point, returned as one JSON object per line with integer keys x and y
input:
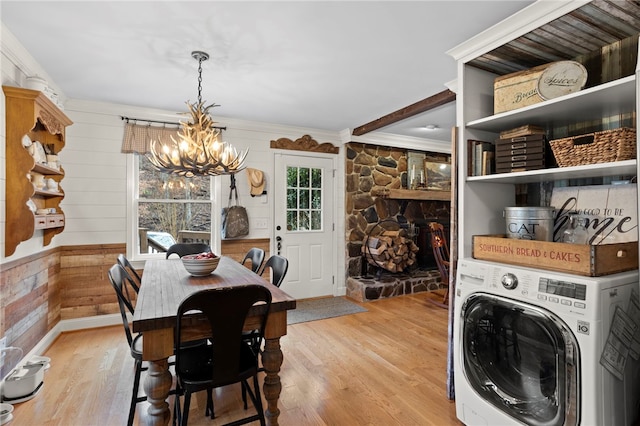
{"x": 200, "y": 265}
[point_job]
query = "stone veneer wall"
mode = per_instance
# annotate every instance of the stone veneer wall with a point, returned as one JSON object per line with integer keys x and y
{"x": 370, "y": 170}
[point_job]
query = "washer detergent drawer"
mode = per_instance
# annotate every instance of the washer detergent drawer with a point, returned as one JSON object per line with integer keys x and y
{"x": 521, "y": 359}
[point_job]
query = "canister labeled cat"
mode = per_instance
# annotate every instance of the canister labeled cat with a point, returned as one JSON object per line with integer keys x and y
{"x": 530, "y": 223}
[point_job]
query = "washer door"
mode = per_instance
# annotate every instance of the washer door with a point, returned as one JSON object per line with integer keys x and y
{"x": 522, "y": 359}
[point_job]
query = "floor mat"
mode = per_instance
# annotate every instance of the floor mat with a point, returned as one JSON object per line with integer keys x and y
{"x": 317, "y": 309}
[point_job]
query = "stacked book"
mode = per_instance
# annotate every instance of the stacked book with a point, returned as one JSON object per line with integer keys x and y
{"x": 521, "y": 149}
{"x": 481, "y": 158}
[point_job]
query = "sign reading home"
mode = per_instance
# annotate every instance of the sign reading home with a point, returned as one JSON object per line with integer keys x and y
{"x": 611, "y": 211}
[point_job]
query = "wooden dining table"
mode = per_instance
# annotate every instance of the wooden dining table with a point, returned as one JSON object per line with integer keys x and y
{"x": 165, "y": 284}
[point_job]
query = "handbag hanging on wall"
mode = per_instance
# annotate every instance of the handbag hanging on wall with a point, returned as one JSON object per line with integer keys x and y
{"x": 235, "y": 221}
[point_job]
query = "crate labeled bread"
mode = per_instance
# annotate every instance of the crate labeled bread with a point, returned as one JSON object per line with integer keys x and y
{"x": 528, "y": 87}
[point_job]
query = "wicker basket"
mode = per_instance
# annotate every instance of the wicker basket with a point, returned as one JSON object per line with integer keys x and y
{"x": 599, "y": 147}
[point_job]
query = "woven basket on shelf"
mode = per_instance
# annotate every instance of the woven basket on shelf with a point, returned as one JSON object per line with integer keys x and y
{"x": 599, "y": 147}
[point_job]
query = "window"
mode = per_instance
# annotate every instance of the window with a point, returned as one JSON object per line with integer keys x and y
{"x": 168, "y": 209}
{"x": 304, "y": 199}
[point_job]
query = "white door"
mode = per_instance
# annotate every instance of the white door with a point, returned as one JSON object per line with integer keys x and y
{"x": 304, "y": 223}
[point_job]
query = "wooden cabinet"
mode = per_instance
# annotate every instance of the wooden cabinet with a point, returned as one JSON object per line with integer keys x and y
{"x": 31, "y": 113}
{"x": 608, "y": 101}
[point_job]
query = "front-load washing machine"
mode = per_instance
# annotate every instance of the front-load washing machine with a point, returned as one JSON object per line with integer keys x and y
{"x": 545, "y": 348}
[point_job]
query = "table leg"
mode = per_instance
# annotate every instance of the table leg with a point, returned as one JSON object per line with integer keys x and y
{"x": 157, "y": 385}
{"x": 272, "y": 361}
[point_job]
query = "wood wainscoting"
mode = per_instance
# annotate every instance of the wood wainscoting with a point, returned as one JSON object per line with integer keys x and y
{"x": 69, "y": 282}
{"x": 29, "y": 299}
{"x": 84, "y": 275}
{"x": 237, "y": 249}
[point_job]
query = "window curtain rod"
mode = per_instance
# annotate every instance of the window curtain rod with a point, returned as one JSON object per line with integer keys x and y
{"x": 135, "y": 120}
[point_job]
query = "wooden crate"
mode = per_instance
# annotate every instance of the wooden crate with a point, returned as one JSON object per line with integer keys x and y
{"x": 528, "y": 87}
{"x": 586, "y": 260}
{"x": 517, "y": 90}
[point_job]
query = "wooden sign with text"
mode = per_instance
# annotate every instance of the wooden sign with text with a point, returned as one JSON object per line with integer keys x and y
{"x": 579, "y": 259}
{"x": 611, "y": 211}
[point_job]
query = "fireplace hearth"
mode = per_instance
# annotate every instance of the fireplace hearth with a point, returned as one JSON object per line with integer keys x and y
{"x": 369, "y": 287}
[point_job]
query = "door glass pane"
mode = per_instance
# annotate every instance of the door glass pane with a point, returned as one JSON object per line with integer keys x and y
{"x": 292, "y": 220}
{"x": 316, "y": 200}
{"x": 304, "y": 206}
{"x": 304, "y": 177}
{"x": 316, "y": 178}
{"x": 304, "y": 199}
{"x": 292, "y": 177}
{"x": 292, "y": 198}
{"x": 304, "y": 220}
{"x": 316, "y": 220}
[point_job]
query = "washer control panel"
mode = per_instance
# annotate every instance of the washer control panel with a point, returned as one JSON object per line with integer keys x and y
{"x": 561, "y": 291}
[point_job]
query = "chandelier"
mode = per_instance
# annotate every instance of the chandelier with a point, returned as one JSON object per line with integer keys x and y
{"x": 198, "y": 150}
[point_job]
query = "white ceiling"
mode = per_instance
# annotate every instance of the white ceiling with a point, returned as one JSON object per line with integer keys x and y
{"x": 329, "y": 65}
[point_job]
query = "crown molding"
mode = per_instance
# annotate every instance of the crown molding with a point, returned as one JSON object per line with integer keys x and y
{"x": 396, "y": 141}
{"x": 14, "y": 52}
{"x": 516, "y": 25}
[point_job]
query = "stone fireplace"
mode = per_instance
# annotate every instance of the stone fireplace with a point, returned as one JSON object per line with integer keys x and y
{"x": 370, "y": 172}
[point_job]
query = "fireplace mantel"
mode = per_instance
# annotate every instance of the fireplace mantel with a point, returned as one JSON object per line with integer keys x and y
{"x": 410, "y": 194}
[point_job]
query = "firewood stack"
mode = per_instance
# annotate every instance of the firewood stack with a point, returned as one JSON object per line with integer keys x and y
{"x": 390, "y": 251}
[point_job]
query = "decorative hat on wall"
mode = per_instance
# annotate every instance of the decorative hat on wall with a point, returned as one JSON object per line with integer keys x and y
{"x": 256, "y": 181}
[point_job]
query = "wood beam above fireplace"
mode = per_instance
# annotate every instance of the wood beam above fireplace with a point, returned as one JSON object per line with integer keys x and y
{"x": 419, "y": 107}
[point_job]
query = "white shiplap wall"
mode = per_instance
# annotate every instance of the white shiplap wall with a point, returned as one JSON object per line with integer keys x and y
{"x": 95, "y": 182}
{"x": 96, "y": 171}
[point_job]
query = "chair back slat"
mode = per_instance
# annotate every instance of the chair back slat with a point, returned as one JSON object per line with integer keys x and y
{"x": 279, "y": 266}
{"x": 119, "y": 281}
{"x": 256, "y": 256}
{"x": 134, "y": 277}
{"x": 183, "y": 249}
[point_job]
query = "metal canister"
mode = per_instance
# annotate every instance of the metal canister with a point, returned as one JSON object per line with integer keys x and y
{"x": 529, "y": 223}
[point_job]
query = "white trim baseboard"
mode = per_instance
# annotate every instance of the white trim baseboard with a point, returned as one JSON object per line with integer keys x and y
{"x": 68, "y": 325}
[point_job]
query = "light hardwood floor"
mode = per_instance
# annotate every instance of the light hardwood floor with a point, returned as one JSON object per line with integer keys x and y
{"x": 386, "y": 367}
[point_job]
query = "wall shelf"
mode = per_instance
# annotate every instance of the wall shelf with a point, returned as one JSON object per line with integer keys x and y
{"x": 30, "y": 113}
{"x": 410, "y": 194}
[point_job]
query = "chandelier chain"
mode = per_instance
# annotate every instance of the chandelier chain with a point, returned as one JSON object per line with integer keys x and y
{"x": 200, "y": 59}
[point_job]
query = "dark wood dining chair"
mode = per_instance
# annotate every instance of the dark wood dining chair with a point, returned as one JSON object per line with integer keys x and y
{"x": 120, "y": 281}
{"x": 183, "y": 249}
{"x": 256, "y": 256}
{"x": 278, "y": 265}
{"x": 133, "y": 275}
{"x": 230, "y": 358}
{"x": 440, "y": 249}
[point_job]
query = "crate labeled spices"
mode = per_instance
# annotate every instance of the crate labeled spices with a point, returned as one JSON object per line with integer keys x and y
{"x": 599, "y": 147}
{"x": 586, "y": 260}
